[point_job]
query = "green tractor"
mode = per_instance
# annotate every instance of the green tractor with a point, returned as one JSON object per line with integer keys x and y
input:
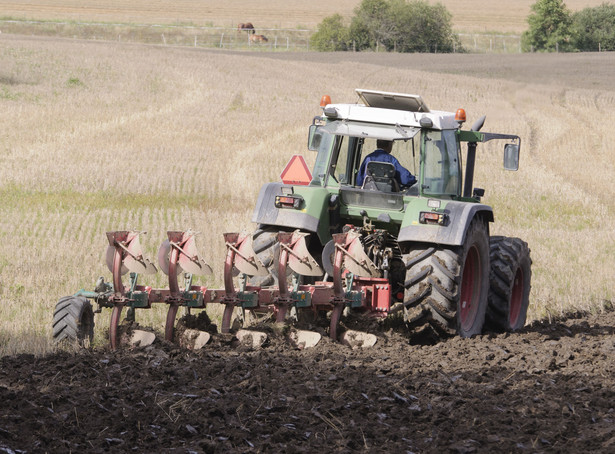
{"x": 430, "y": 240}
{"x": 372, "y": 235}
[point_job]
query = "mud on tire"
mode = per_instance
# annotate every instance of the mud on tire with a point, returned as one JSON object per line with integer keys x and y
{"x": 448, "y": 286}
{"x": 73, "y": 320}
{"x": 509, "y": 284}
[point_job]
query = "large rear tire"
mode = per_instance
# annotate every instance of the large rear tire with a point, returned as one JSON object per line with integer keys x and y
{"x": 73, "y": 320}
{"x": 448, "y": 287}
{"x": 267, "y": 248}
{"x": 510, "y": 283}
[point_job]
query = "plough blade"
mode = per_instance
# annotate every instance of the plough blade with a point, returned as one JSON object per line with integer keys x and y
{"x": 246, "y": 260}
{"x": 189, "y": 259}
{"x": 356, "y": 260}
{"x": 133, "y": 260}
{"x": 181, "y": 248}
{"x": 300, "y": 260}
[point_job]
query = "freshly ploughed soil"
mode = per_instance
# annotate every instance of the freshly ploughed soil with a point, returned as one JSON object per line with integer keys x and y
{"x": 549, "y": 388}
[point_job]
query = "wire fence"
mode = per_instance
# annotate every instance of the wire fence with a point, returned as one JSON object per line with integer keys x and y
{"x": 270, "y": 39}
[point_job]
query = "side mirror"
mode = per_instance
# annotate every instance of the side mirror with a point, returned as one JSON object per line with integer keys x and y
{"x": 314, "y": 138}
{"x": 511, "y": 156}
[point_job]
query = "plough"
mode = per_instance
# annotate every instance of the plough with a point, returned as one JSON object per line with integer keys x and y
{"x": 178, "y": 253}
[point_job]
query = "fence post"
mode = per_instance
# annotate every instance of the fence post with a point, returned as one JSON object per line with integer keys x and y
{"x": 194, "y": 40}
{"x": 221, "y": 39}
{"x": 164, "y": 40}
{"x": 275, "y": 43}
{"x": 287, "y": 43}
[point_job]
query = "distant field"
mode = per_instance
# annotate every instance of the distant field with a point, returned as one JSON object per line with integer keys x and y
{"x": 473, "y": 16}
{"x": 105, "y": 136}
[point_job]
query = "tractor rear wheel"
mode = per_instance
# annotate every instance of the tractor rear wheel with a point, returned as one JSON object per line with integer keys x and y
{"x": 73, "y": 320}
{"x": 448, "y": 287}
{"x": 267, "y": 249}
{"x": 509, "y": 292}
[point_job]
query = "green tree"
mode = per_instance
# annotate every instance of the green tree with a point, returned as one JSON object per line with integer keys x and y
{"x": 403, "y": 26}
{"x": 594, "y": 28}
{"x": 550, "y": 27}
{"x": 331, "y": 35}
{"x": 421, "y": 27}
{"x": 373, "y": 23}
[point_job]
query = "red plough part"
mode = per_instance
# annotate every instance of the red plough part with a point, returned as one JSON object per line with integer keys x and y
{"x": 353, "y": 285}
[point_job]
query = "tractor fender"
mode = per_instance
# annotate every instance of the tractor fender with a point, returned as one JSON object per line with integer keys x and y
{"x": 460, "y": 216}
{"x": 307, "y": 218}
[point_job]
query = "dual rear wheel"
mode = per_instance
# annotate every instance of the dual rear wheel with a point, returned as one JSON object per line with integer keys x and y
{"x": 483, "y": 284}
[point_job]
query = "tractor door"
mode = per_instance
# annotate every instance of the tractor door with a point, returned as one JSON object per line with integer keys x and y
{"x": 441, "y": 164}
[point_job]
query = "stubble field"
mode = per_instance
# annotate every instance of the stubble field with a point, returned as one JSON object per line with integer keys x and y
{"x": 99, "y": 137}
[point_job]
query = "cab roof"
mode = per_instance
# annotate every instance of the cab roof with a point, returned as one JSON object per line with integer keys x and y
{"x": 391, "y": 108}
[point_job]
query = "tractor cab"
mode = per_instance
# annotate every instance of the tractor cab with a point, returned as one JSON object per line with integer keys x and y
{"x": 425, "y": 143}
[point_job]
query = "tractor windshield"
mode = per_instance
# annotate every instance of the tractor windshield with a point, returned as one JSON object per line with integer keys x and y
{"x": 343, "y": 145}
{"x": 441, "y": 165}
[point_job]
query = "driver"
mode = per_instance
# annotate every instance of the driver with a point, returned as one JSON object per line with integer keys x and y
{"x": 383, "y": 154}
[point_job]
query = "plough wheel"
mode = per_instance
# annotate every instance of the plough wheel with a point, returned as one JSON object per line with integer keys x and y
{"x": 227, "y": 317}
{"x": 114, "y": 326}
{"x": 336, "y": 315}
{"x": 170, "y": 323}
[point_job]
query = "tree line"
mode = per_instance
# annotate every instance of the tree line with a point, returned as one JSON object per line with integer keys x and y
{"x": 418, "y": 26}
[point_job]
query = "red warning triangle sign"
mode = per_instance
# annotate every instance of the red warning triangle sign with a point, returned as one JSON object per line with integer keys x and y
{"x": 296, "y": 172}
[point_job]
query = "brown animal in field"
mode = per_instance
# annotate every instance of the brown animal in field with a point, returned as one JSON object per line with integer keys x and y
{"x": 258, "y": 39}
{"x": 248, "y": 27}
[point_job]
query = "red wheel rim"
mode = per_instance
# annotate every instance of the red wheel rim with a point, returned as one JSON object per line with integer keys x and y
{"x": 470, "y": 289}
{"x": 226, "y": 319}
{"x": 516, "y": 298}
{"x": 170, "y": 324}
{"x": 113, "y": 325}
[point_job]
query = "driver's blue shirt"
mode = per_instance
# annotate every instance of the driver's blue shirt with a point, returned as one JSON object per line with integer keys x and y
{"x": 403, "y": 176}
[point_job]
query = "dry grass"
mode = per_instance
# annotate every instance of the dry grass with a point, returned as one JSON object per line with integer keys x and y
{"x": 468, "y": 16}
{"x": 99, "y": 137}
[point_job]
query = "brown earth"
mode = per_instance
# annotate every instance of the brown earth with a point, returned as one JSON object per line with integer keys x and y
{"x": 549, "y": 388}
